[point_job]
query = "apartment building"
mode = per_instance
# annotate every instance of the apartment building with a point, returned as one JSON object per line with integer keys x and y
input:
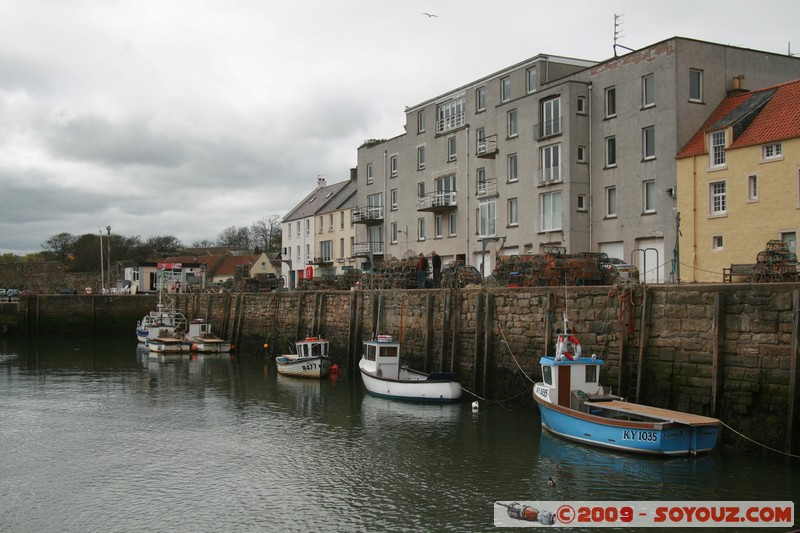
{"x": 739, "y": 178}
{"x": 318, "y": 233}
{"x": 552, "y": 153}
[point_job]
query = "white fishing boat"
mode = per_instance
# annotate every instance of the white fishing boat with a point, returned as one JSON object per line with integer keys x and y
{"x": 574, "y": 405}
{"x": 384, "y": 376}
{"x": 163, "y": 322}
{"x": 203, "y": 340}
{"x": 311, "y": 360}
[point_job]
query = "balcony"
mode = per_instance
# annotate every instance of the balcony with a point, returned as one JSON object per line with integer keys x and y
{"x": 365, "y": 249}
{"x": 547, "y": 129}
{"x": 322, "y": 261}
{"x": 437, "y": 201}
{"x": 368, "y": 215}
{"x": 487, "y": 147}
{"x": 450, "y": 123}
{"x": 487, "y": 187}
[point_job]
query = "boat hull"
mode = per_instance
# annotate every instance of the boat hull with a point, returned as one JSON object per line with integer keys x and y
{"x": 411, "y": 386}
{"x": 159, "y": 346}
{"x": 210, "y": 345}
{"x": 654, "y": 438}
{"x": 307, "y": 367}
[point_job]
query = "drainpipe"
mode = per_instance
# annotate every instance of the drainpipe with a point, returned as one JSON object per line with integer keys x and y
{"x": 468, "y": 260}
{"x": 591, "y": 196}
{"x": 383, "y": 207}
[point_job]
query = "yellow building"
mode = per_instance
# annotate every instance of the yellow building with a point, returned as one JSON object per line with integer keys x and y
{"x": 738, "y": 183}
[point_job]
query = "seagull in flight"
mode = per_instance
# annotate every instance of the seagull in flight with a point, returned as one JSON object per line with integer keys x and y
{"x": 430, "y": 15}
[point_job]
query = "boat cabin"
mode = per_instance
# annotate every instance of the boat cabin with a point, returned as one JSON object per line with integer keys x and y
{"x": 384, "y": 353}
{"x": 312, "y": 347}
{"x": 570, "y": 382}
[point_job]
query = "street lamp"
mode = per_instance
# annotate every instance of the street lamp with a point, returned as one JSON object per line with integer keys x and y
{"x": 108, "y": 255}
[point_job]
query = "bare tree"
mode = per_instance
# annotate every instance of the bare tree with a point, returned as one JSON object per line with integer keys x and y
{"x": 266, "y": 233}
{"x": 235, "y": 238}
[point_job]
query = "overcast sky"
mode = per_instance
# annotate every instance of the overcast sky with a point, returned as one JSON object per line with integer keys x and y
{"x": 185, "y": 117}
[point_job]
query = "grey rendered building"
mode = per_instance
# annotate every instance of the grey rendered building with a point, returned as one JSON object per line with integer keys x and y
{"x": 551, "y": 153}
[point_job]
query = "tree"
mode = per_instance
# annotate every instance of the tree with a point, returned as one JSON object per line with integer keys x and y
{"x": 204, "y": 243}
{"x": 61, "y": 246}
{"x": 266, "y": 234}
{"x": 160, "y": 246}
{"x": 235, "y": 238}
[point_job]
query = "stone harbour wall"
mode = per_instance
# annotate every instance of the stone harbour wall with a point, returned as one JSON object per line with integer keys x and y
{"x": 729, "y": 351}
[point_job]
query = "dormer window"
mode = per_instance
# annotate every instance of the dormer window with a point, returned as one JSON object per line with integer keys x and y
{"x": 717, "y": 152}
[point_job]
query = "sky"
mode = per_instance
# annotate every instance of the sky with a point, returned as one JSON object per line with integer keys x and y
{"x": 186, "y": 117}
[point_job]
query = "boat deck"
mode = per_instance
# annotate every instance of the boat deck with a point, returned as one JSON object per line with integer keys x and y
{"x": 656, "y": 412}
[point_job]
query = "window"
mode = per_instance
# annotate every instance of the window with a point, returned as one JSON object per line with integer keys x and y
{"x": 505, "y": 89}
{"x": 551, "y": 117}
{"x": 452, "y": 224}
{"x": 308, "y": 227}
{"x": 550, "y": 210}
{"x": 512, "y": 167}
{"x": 611, "y": 151}
{"x": 308, "y": 253}
{"x": 717, "y": 149}
{"x": 611, "y": 102}
{"x": 420, "y": 157}
{"x": 611, "y": 202}
{"x": 393, "y": 166}
{"x": 420, "y": 121}
{"x": 370, "y": 177}
{"x": 716, "y": 242}
{"x": 580, "y": 105}
{"x": 695, "y": 85}
{"x": 581, "y": 202}
{"x": 591, "y": 373}
{"x": 551, "y": 163}
{"x": 581, "y": 154}
{"x": 451, "y": 148}
{"x": 486, "y": 219}
{"x": 341, "y": 247}
{"x": 480, "y": 98}
{"x": 513, "y": 213}
{"x": 511, "y": 121}
{"x": 393, "y": 199}
{"x": 649, "y": 143}
{"x": 649, "y": 196}
{"x": 532, "y": 79}
{"x": 321, "y": 225}
{"x": 326, "y": 251}
{"x": 648, "y": 90}
{"x": 752, "y": 188}
{"x": 719, "y": 198}
{"x": 480, "y": 180}
{"x": 289, "y": 225}
{"x": 341, "y": 220}
{"x": 421, "y": 229}
{"x": 420, "y": 189}
{"x": 443, "y": 187}
{"x": 330, "y": 222}
{"x": 772, "y": 151}
{"x": 438, "y": 226}
{"x": 393, "y": 231}
{"x": 450, "y": 115}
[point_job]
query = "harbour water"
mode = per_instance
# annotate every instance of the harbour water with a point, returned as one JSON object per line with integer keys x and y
{"x": 97, "y": 436}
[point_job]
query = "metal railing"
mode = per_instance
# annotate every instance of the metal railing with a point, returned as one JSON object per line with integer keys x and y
{"x": 437, "y": 199}
{"x": 364, "y": 214}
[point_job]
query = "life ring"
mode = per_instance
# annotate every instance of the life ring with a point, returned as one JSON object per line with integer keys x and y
{"x": 568, "y": 347}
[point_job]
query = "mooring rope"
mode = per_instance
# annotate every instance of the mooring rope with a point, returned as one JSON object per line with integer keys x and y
{"x": 758, "y": 443}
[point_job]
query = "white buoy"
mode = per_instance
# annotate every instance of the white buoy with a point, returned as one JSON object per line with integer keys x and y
{"x": 475, "y": 405}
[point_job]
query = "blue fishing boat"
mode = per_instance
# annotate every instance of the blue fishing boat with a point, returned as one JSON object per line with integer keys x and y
{"x": 574, "y": 405}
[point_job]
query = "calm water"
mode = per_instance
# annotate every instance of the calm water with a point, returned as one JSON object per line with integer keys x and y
{"x": 97, "y": 437}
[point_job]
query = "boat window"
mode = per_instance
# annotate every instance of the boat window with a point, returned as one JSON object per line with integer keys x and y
{"x": 371, "y": 352}
{"x": 591, "y": 374}
{"x": 316, "y": 350}
{"x": 389, "y": 351}
{"x": 547, "y": 374}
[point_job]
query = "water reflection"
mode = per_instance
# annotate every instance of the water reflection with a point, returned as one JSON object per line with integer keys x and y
{"x": 100, "y": 436}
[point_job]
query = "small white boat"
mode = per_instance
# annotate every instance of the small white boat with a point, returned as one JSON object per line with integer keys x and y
{"x": 574, "y": 405}
{"x": 163, "y": 322}
{"x": 384, "y": 376}
{"x": 311, "y": 360}
{"x": 203, "y": 340}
